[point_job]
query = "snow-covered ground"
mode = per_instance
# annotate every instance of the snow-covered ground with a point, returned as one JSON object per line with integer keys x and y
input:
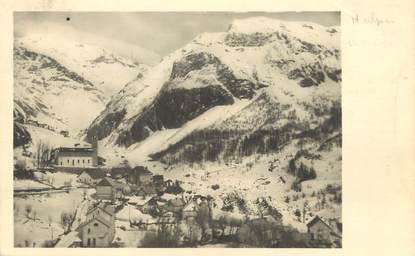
{"x": 130, "y": 212}
{"x": 34, "y": 231}
{"x": 28, "y": 184}
{"x": 258, "y": 181}
{"x": 130, "y": 237}
{"x": 58, "y": 179}
{"x": 44, "y": 206}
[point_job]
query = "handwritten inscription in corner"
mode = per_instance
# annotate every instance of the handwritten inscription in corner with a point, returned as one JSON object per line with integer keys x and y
{"x": 372, "y": 19}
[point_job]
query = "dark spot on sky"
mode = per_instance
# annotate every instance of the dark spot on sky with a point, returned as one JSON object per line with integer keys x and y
{"x": 68, "y": 19}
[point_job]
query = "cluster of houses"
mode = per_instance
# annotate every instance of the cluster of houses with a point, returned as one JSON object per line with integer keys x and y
{"x": 150, "y": 194}
{"x": 139, "y": 189}
{"x": 116, "y": 183}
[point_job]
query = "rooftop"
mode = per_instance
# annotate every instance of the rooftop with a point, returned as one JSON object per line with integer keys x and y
{"x": 107, "y": 181}
{"x": 95, "y": 173}
{"x": 141, "y": 170}
{"x": 68, "y": 239}
{"x": 108, "y": 208}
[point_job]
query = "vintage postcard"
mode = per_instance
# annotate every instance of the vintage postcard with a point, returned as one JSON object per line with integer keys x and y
{"x": 224, "y": 130}
{"x": 192, "y": 129}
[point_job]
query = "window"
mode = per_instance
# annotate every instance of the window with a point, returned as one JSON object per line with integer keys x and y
{"x": 88, "y": 242}
{"x": 89, "y": 230}
{"x": 73, "y": 162}
{"x": 78, "y": 161}
{"x": 83, "y": 161}
{"x": 94, "y": 242}
{"x": 88, "y": 161}
{"x": 68, "y": 161}
{"x": 61, "y": 163}
{"x": 95, "y": 224}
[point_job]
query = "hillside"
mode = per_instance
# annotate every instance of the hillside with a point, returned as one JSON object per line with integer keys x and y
{"x": 57, "y": 79}
{"x": 45, "y": 90}
{"x": 271, "y": 77}
{"x": 108, "y": 71}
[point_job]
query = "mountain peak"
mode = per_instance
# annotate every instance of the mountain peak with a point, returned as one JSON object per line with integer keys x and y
{"x": 306, "y": 31}
{"x": 269, "y": 25}
{"x": 94, "y": 63}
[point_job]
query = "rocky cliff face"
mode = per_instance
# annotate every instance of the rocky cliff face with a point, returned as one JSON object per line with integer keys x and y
{"x": 273, "y": 80}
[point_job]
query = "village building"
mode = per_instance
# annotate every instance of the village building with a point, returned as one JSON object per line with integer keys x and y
{"x": 76, "y": 158}
{"x": 138, "y": 201}
{"x": 140, "y": 175}
{"x": 109, "y": 189}
{"x": 99, "y": 229}
{"x": 120, "y": 171}
{"x": 167, "y": 218}
{"x": 158, "y": 181}
{"x": 150, "y": 207}
{"x": 161, "y": 204}
{"x": 146, "y": 191}
{"x": 169, "y": 183}
{"x": 190, "y": 210}
{"x": 175, "y": 206}
{"x": 318, "y": 229}
{"x": 172, "y": 187}
{"x": 91, "y": 176}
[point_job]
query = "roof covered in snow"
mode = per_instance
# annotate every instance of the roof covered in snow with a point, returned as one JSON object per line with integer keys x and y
{"x": 69, "y": 239}
{"x": 95, "y": 173}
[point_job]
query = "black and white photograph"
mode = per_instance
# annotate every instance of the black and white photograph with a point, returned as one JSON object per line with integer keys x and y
{"x": 177, "y": 129}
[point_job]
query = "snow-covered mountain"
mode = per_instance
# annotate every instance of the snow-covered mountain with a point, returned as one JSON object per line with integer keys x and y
{"x": 45, "y": 91}
{"x": 262, "y": 80}
{"x": 107, "y": 70}
{"x": 63, "y": 85}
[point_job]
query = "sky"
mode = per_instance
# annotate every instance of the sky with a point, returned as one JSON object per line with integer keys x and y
{"x": 152, "y": 34}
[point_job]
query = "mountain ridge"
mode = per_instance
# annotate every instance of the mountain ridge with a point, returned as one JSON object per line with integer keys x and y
{"x": 229, "y": 66}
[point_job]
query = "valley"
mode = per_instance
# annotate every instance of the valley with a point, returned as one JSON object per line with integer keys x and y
{"x": 233, "y": 140}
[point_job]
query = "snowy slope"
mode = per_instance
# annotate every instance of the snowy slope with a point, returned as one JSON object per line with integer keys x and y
{"x": 108, "y": 71}
{"x": 44, "y": 91}
{"x": 64, "y": 84}
{"x": 289, "y": 69}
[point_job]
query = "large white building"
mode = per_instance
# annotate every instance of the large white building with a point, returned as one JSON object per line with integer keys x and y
{"x": 76, "y": 157}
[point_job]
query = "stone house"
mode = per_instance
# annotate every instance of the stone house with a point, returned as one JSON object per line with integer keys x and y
{"x": 99, "y": 229}
{"x": 109, "y": 189}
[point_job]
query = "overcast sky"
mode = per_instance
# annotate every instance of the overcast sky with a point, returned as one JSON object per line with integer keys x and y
{"x": 160, "y": 33}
